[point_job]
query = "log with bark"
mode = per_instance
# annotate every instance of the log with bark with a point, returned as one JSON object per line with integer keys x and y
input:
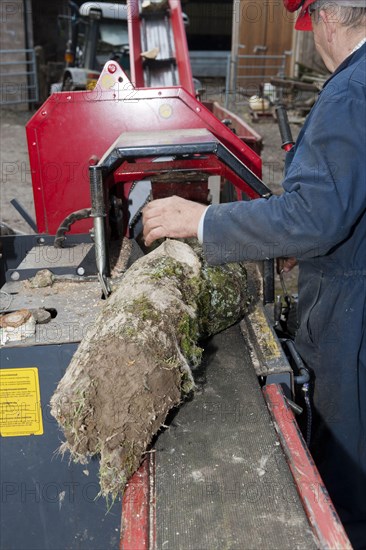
{"x": 135, "y": 363}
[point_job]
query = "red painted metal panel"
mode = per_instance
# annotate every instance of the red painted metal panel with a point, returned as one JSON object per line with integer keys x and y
{"x": 138, "y": 509}
{"x": 318, "y": 506}
{"x": 237, "y": 124}
{"x": 71, "y": 129}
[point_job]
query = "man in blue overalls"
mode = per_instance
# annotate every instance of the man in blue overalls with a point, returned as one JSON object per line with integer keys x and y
{"x": 322, "y": 215}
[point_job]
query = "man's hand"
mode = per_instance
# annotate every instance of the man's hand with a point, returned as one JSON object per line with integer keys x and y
{"x": 171, "y": 217}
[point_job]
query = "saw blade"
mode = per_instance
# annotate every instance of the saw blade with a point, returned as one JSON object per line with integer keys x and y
{"x": 139, "y": 196}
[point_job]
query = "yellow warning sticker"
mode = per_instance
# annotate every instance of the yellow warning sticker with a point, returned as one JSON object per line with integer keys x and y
{"x": 20, "y": 402}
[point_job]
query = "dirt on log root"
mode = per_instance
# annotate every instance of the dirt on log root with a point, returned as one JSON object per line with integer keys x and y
{"x": 135, "y": 363}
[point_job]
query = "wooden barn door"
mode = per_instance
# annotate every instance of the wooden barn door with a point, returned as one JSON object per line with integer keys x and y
{"x": 261, "y": 28}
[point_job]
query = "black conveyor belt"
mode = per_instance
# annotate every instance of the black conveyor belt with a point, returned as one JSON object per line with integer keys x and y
{"x": 222, "y": 481}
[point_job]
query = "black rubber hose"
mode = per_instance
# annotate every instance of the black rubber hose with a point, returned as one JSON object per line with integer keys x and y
{"x": 67, "y": 223}
{"x": 304, "y": 376}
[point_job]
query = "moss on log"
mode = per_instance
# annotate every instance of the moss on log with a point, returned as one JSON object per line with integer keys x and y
{"x": 135, "y": 363}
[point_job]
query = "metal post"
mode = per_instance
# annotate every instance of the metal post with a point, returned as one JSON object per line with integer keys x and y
{"x": 227, "y": 81}
{"x": 99, "y": 214}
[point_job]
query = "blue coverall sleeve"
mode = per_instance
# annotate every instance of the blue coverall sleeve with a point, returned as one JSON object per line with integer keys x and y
{"x": 325, "y": 192}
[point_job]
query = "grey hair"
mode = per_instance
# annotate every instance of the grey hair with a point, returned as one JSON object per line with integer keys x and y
{"x": 349, "y": 13}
